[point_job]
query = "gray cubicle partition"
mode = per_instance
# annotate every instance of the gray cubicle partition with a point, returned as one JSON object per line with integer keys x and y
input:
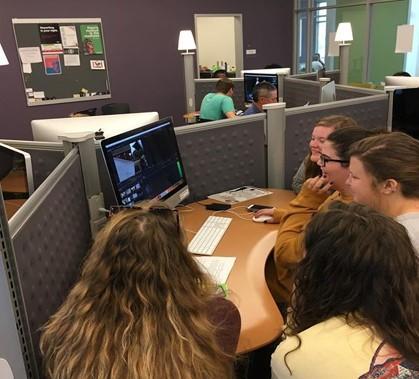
{"x": 344, "y": 92}
{"x": 45, "y": 157}
{"x": 50, "y": 237}
{"x": 370, "y": 112}
{"x": 299, "y": 92}
{"x": 224, "y": 154}
{"x": 10, "y": 342}
{"x": 204, "y": 86}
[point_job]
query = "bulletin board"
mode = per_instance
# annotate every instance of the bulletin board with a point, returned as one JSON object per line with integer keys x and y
{"x": 62, "y": 60}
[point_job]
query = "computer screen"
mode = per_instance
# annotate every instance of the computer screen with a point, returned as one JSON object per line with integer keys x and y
{"x": 402, "y": 81}
{"x": 328, "y": 93}
{"x": 16, "y": 178}
{"x": 252, "y": 79}
{"x": 110, "y": 125}
{"x": 406, "y": 111}
{"x": 145, "y": 164}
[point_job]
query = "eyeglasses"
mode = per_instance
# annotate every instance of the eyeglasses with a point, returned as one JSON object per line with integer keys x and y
{"x": 155, "y": 209}
{"x": 324, "y": 159}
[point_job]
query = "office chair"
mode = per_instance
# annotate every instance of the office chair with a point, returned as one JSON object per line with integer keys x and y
{"x": 115, "y": 108}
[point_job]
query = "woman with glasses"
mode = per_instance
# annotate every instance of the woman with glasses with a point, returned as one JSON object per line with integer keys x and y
{"x": 142, "y": 308}
{"x": 315, "y": 195}
{"x": 309, "y": 167}
{"x": 355, "y": 305}
{"x": 384, "y": 174}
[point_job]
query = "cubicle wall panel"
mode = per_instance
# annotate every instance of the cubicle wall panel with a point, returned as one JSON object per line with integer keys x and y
{"x": 43, "y": 163}
{"x": 218, "y": 159}
{"x": 50, "y": 247}
{"x": 300, "y": 92}
{"x": 204, "y": 87}
{"x": 370, "y": 115}
{"x": 354, "y": 92}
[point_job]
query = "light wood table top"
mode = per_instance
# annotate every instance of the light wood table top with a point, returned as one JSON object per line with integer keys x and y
{"x": 251, "y": 244}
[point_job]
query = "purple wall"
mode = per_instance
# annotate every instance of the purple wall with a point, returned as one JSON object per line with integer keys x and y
{"x": 145, "y": 68}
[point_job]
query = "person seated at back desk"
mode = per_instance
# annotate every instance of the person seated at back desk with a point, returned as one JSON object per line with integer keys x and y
{"x": 218, "y": 105}
{"x": 263, "y": 93}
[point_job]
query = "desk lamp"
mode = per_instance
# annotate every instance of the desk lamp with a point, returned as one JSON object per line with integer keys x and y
{"x": 3, "y": 58}
{"x": 187, "y": 42}
{"x": 344, "y": 37}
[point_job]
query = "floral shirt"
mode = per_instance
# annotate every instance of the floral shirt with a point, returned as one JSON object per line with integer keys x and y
{"x": 388, "y": 364}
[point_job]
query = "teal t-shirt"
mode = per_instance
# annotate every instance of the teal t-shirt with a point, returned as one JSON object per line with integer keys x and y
{"x": 215, "y": 105}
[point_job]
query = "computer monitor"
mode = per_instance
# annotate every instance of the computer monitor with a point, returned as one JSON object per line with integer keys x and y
{"x": 402, "y": 81}
{"x": 145, "y": 164}
{"x": 406, "y": 111}
{"x": 110, "y": 125}
{"x": 16, "y": 178}
{"x": 328, "y": 93}
{"x": 252, "y": 79}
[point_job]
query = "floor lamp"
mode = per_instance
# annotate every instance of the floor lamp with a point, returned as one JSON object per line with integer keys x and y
{"x": 344, "y": 37}
{"x": 187, "y": 42}
{"x": 3, "y": 58}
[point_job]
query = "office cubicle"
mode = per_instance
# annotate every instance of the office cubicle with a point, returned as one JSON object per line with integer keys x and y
{"x": 49, "y": 237}
{"x": 205, "y": 86}
{"x": 221, "y": 155}
{"x": 45, "y": 157}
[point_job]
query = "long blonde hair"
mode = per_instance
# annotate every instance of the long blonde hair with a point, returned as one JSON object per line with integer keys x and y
{"x": 139, "y": 310}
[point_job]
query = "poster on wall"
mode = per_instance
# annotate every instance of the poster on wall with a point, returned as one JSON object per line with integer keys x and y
{"x": 69, "y": 36}
{"x": 91, "y": 39}
{"x": 52, "y": 64}
{"x": 50, "y": 37}
{"x": 71, "y": 57}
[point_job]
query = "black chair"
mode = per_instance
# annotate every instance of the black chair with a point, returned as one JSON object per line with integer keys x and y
{"x": 115, "y": 108}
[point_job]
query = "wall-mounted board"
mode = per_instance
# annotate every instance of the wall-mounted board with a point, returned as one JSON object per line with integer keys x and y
{"x": 62, "y": 60}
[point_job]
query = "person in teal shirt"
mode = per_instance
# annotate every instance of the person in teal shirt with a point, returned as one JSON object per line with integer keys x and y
{"x": 218, "y": 105}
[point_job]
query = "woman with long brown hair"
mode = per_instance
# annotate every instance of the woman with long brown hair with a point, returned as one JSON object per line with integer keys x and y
{"x": 141, "y": 309}
{"x": 355, "y": 305}
{"x": 384, "y": 174}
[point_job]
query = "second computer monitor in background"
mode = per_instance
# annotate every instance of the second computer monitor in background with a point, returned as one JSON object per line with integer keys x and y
{"x": 145, "y": 164}
{"x": 328, "y": 92}
{"x": 252, "y": 79}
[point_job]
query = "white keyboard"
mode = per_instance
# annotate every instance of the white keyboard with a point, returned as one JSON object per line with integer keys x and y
{"x": 209, "y": 235}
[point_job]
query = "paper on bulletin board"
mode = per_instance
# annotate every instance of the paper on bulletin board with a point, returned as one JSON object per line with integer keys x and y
{"x": 50, "y": 37}
{"x": 91, "y": 39}
{"x": 71, "y": 57}
{"x": 69, "y": 36}
{"x": 52, "y": 64}
{"x": 404, "y": 40}
{"x": 30, "y": 54}
{"x": 27, "y": 68}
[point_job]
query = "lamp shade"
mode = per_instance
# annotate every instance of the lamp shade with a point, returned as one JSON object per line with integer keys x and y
{"x": 3, "y": 58}
{"x": 344, "y": 32}
{"x": 186, "y": 40}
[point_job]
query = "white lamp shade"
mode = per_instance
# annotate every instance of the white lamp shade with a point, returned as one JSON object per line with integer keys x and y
{"x": 186, "y": 40}
{"x": 344, "y": 32}
{"x": 3, "y": 58}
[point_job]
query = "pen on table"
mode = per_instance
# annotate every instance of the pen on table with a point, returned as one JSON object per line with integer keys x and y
{"x": 239, "y": 189}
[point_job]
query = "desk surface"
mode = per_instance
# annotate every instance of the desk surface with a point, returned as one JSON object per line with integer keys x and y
{"x": 251, "y": 244}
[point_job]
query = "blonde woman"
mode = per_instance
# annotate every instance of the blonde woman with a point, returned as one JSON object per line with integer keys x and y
{"x": 141, "y": 309}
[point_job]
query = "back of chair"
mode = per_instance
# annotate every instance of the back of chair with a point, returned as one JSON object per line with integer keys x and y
{"x": 115, "y": 108}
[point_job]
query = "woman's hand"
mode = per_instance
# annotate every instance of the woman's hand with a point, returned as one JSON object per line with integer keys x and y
{"x": 266, "y": 212}
{"x": 319, "y": 185}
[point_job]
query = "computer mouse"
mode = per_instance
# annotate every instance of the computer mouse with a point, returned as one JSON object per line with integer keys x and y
{"x": 262, "y": 218}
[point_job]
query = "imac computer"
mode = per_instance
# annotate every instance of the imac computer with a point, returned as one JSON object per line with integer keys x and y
{"x": 16, "y": 178}
{"x": 252, "y": 79}
{"x": 50, "y": 129}
{"x": 145, "y": 164}
{"x": 328, "y": 93}
{"x": 406, "y": 111}
{"x": 402, "y": 81}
